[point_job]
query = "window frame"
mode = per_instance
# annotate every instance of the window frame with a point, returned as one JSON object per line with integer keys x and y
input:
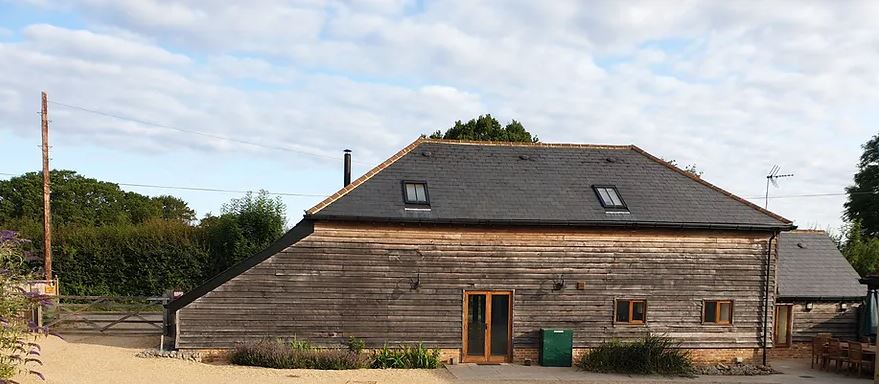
{"x": 621, "y": 206}
{"x": 717, "y": 303}
{"x": 631, "y": 305}
{"x": 406, "y": 200}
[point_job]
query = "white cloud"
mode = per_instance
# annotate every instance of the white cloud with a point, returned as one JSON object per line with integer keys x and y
{"x": 732, "y": 87}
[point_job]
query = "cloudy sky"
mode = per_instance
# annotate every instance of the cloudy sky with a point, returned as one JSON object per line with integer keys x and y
{"x": 733, "y": 87}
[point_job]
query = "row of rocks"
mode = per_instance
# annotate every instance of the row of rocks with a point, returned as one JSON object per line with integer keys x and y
{"x": 738, "y": 369}
{"x": 155, "y": 353}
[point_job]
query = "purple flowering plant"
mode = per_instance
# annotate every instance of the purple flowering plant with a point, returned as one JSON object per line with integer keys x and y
{"x": 19, "y": 353}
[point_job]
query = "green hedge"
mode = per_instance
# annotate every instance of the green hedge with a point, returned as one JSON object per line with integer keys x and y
{"x": 139, "y": 260}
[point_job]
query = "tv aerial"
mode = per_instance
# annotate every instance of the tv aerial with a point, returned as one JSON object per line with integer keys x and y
{"x": 772, "y": 178}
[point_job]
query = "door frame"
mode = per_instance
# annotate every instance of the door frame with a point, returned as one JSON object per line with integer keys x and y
{"x": 487, "y": 358}
{"x": 790, "y": 322}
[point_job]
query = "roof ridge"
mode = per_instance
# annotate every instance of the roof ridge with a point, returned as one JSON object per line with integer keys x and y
{"x": 712, "y": 186}
{"x": 525, "y": 144}
{"x": 808, "y": 231}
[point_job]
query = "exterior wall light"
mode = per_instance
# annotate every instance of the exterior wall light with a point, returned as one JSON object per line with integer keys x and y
{"x": 809, "y": 306}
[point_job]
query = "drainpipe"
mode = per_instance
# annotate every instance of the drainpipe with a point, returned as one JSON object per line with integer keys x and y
{"x": 766, "y": 296}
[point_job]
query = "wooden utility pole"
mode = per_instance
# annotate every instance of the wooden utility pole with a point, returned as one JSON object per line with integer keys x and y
{"x": 47, "y": 213}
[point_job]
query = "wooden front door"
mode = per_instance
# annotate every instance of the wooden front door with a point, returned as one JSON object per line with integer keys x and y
{"x": 783, "y": 322}
{"x": 488, "y": 326}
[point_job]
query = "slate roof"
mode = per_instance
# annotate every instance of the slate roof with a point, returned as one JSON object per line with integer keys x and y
{"x": 521, "y": 183}
{"x": 810, "y": 266}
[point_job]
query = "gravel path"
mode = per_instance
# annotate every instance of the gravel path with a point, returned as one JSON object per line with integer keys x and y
{"x": 103, "y": 359}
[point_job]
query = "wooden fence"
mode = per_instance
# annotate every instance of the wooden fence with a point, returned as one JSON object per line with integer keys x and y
{"x": 105, "y": 315}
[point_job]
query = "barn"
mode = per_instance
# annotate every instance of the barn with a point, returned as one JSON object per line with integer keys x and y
{"x": 473, "y": 247}
{"x": 818, "y": 292}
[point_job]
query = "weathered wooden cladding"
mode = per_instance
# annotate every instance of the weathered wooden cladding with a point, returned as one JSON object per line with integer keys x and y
{"x": 824, "y": 317}
{"x": 350, "y": 279}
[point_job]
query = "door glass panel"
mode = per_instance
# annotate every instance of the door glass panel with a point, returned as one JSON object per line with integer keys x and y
{"x": 476, "y": 325}
{"x": 781, "y": 323}
{"x": 500, "y": 323}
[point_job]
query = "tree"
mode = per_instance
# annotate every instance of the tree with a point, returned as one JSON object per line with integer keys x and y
{"x": 18, "y": 352}
{"x": 246, "y": 226}
{"x": 486, "y": 128}
{"x": 861, "y": 252}
{"x": 863, "y": 196}
{"x": 83, "y": 201}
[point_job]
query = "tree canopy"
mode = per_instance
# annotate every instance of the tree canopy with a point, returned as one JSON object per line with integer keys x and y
{"x": 80, "y": 200}
{"x": 862, "y": 252}
{"x": 863, "y": 196}
{"x": 246, "y": 226}
{"x": 486, "y": 128}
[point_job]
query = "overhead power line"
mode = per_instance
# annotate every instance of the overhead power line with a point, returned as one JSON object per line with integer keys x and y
{"x": 194, "y": 132}
{"x": 205, "y": 189}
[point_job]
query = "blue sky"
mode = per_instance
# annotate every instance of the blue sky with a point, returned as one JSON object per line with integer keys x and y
{"x": 731, "y": 87}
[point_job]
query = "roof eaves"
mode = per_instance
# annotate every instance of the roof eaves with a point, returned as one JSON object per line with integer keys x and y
{"x": 294, "y": 235}
{"x": 558, "y": 223}
{"x": 712, "y": 186}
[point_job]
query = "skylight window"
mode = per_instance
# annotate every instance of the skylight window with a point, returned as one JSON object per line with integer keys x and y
{"x": 609, "y": 196}
{"x": 415, "y": 192}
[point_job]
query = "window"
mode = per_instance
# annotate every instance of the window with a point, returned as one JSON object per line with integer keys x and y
{"x": 415, "y": 192}
{"x": 717, "y": 312}
{"x": 609, "y": 196}
{"x": 631, "y": 311}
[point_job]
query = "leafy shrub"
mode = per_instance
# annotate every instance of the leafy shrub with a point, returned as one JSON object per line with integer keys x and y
{"x": 275, "y": 354}
{"x": 406, "y": 357}
{"x": 355, "y": 345}
{"x": 652, "y": 355}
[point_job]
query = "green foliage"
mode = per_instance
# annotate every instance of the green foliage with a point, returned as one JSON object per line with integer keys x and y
{"x": 861, "y": 251}
{"x": 300, "y": 354}
{"x": 140, "y": 260}
{"x": 355, "y": 345}
{"x": 651, "y": 356}
{"x": 300, "y": 345}
{"x": 78, "y": 200}
{"x": 248, "y": 225}
{"x": 18, "y": 352}
{"x": 863, "y": 196}
{"x": 409, "y": 357}
{"x": 486, "y": 128}
{"x": 277, "y": 354}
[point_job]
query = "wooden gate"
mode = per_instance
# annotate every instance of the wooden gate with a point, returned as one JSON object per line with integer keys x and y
{"x": 106, "y": 315}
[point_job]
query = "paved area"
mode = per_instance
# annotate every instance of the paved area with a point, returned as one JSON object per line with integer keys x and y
{"x": 794, "y": 371}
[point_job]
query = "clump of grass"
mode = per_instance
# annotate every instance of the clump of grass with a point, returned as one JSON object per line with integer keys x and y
{"x": 653, "y": 355}
{"x": 355, "y": 345}
{"x": 416, "y": 356}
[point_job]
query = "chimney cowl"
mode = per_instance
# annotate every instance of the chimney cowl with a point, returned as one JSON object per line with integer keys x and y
{"x": 347, "y": 167}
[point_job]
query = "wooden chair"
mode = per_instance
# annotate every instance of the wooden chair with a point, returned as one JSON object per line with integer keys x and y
{"x": 834, "y": 354}
{"x": 855, "y": 357}
{"x": 818, "y": 346}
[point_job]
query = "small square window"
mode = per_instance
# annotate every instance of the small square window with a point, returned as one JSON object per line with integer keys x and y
{"x": 631, "y": 311}
{"x": 609, "y": 196}
{"x": 717, "y": 312}
{"x": 415, "y": 192}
